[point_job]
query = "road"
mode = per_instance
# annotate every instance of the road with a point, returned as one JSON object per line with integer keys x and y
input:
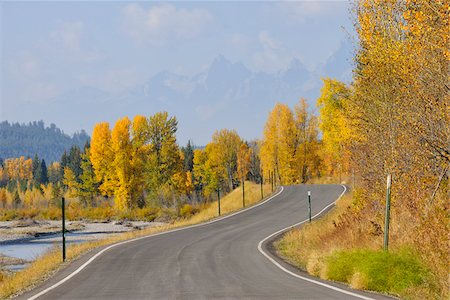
{"x": 219, "y": 260}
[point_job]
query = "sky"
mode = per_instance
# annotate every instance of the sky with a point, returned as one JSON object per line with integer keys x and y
{"x": 49, "y": 48}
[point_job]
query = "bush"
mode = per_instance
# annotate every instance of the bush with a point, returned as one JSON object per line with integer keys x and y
{"x": 142, "y": 214}
{"x": 186, "y": 211}
{"x": 8, "y": 215}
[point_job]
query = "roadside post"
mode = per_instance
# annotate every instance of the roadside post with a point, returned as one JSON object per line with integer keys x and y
{"x": 63, "y": 208}
{"x": 271, "y": 179}
{"x": 218, "y": 199}
{"x": 309, "y": 205}
{"x": 274, "y": 179}
{"x": 262, "y": 193}
{"x": 388, "y": 211}
{"x": 243, "y": 192}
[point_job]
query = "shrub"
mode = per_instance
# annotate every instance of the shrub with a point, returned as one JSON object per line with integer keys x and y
{"x": 186, "y": 211}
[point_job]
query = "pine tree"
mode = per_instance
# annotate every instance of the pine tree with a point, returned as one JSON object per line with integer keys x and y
{"x": 44, "y": 172}
{"x": 88, "y": 187}
{"x": 75, "y": 160}
{"x": 188, "y": 155}
{"x": 16, "y": 199}
{"x": 36, "y": 170}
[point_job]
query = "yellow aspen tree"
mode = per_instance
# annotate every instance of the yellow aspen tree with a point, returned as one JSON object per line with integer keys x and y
{"x": 224, "y": 152}
{"x": 3, "y": 197}
{"x": 70, "y": 181}
{"x": 27, "y": 169}
{"x": 215, "y": 169}
{"x": 243, "y": 161}
{"x": 335, "y": 126}
{"x": 269, "y": 144}
{"x": 278, "y": 150}
{"x": 141, "y": 150}
{"x": 199, "y": 170}
{"x": 122, "y": 148}
{"x": 102, "y": 158}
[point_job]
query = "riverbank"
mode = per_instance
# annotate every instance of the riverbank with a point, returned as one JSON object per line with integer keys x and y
{"x": 21, "y": 242}
{"x": 23, "y": 230}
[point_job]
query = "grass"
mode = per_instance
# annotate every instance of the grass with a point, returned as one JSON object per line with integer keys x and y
{"x": 332, "y": 251}
{"x": 49, "y": 263}
{"x": 377, "y": 270}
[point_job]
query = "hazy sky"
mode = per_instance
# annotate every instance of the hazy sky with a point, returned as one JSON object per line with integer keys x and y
{"x": 48, "y": 48}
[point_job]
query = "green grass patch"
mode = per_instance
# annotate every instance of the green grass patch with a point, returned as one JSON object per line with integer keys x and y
{"x": 390, "y": 272}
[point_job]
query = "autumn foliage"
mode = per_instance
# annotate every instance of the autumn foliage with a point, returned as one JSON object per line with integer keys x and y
{"x": 394, "y": 118}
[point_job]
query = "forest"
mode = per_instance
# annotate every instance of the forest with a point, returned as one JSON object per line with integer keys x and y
{"x": 35, "y": 138}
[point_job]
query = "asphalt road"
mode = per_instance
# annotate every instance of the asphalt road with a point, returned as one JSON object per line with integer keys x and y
{"x": 219, "y": 260}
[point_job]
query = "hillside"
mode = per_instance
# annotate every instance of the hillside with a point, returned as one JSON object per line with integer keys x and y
{"x": 33, "y": 138}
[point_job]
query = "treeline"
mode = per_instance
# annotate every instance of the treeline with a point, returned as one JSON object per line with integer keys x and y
{"x": 139, "y": 163}
{"x": 134, "y": 164}
{"x": 27, "y": 140}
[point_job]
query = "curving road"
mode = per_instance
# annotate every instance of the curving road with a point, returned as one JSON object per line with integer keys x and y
{"x": 219, "y": 260}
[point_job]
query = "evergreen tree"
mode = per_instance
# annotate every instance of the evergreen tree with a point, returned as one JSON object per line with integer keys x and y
{"x": 64, "y": 163}
{"x": 44, "y": 173}
{"x": 36, "y": 168}
{"x": 16, "y": 199}
{"x": 89, "y": 185}
{"x": 74, "y": 162}
{"x": 188, "y": 153}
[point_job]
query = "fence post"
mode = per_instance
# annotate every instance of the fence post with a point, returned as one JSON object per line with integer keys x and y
{"x": 218, "y": 199}
{"x": 309, "y": 205}
{"x": 262, "y": 193}
{"x": 63, "y": 208}
{"x": 243, "y": 192}
{"x": 388, "y": 210}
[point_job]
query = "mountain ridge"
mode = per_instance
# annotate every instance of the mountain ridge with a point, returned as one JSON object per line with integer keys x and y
{"x": 213, "y": 98}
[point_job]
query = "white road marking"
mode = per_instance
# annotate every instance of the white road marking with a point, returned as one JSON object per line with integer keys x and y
{"x": 68, "y": 277}
{"x": 302, "y": 277}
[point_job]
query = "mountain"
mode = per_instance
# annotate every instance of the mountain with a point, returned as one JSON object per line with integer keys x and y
{"x": 225, "y": 94}
{"x": 33, "y": 138}
{"x": 339, "y": 64}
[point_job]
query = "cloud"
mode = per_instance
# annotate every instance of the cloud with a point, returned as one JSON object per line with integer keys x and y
{"x": 304, "y": 11}
{"x": 163, "y": 23}
{"x": 23, "y": 65}
{"x": 272, "y": 57}
{"x": 69, "y": 34}
{"x": 240, "y": 42}
{"x": 267, "y": 41}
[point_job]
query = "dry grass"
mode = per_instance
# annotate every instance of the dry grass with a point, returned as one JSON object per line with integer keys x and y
{"x": 49, "y": 263}
{"x": 306, "y": 245}
{"x": 335, "y": 248}
{"x": 230, "y": 203}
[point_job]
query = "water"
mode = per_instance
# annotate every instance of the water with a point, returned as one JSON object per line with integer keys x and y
{"x": 31, "y": 249}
